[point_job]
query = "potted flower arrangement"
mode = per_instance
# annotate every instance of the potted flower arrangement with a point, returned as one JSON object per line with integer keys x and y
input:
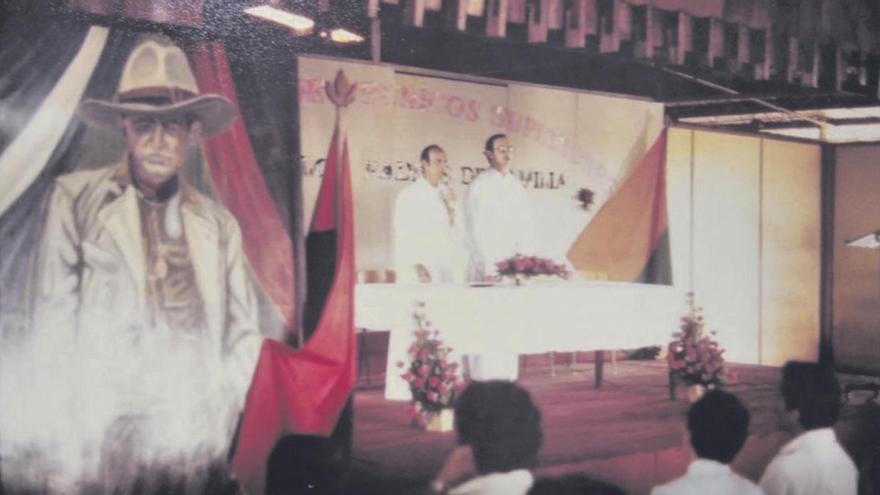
{"x": 433, "y": 379}
{"x": 694, "y": 358}
{"x": 520, "y": 268}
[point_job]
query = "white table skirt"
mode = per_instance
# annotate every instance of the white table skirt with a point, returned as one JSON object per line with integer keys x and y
{"x": 489, "y": 327}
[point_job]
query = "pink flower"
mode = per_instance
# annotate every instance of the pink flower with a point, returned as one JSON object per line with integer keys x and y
{"x": 424, "y": 369}
{"x": 408, "y": 376}
{"x": 423, "y": 355}
{"x": 432, "y": 396}
{"x": 433, "y": 381}
{"x": 412, "y": 412}
{"x": 502, "y": 266}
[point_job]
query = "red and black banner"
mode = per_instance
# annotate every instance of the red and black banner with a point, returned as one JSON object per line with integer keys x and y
{"x": 303, "y": 391}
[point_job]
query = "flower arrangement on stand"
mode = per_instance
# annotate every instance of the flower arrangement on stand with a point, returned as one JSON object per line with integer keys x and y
{"x": 433, "y": 379}
{"x": 520, "y": 268}
{"x": 694, "y": 357}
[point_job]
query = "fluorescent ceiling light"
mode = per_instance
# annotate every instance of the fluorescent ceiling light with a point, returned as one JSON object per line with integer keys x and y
{"x": 846, "y": 133}
{"x": 340, "y": 35}
{"x": 296, "y": 22}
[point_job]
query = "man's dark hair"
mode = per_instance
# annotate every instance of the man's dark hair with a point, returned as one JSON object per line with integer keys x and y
{"x": 573, "y": 484}
{"x": 502, "y": 425}
{"x": 490, "y": 143}
{"x": 426, "y": 153}
{"x": 812, "y": 390}
{"x": 718, "y": 424}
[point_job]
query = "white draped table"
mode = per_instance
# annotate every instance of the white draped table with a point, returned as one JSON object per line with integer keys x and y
{"x": 489, "y": 327}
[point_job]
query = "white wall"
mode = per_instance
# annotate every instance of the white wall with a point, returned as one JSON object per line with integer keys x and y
{"x": 744, "y": 223}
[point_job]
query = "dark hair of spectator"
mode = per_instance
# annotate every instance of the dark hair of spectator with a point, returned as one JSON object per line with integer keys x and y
{"x": 490, "y": 143}
{"x": 426, "y": 153}
{"x": 718, "y": 424}
{"x": 573, "y": 484}
{"x": 813, "y": 391}
{"x": 501, "y": 423}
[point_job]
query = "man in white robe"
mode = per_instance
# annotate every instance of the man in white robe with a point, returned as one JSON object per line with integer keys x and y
{"x": 500, "y": 216}
{"x": 428, "y": 233}
{"x": 501, "y": 223}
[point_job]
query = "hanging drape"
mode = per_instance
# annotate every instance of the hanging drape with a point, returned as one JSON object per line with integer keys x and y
{"x": 242, "y": 189}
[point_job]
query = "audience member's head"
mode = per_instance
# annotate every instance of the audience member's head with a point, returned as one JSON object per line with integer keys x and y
{"x": 501, "y": 424}
{"x": 813, "y": 392}
{"x": 573, "y": 484}
{"x": 718, "y": 424}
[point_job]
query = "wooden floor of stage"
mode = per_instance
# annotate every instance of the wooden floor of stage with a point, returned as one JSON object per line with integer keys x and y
{"x": 585, "y": 429}
{"x": 628, "y": 432}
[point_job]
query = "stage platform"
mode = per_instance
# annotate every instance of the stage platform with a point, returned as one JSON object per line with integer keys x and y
{"x": 628, "y": 432}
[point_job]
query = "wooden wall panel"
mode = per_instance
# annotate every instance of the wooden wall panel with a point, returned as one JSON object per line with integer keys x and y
{"x": 790, "y": 251}
{"x": 726, "y": 215}
{"x": 856, "y": 290}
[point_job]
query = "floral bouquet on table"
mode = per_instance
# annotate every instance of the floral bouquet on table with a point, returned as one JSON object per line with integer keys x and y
{"x": 519, "y": 268}
{"x": 433, "y": 379}
{"x": 695, "y": 358}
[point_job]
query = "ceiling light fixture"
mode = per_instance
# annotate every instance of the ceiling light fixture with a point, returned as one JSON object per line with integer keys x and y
{"x": 300, "y": 24}
{"x": 342, "y": 36}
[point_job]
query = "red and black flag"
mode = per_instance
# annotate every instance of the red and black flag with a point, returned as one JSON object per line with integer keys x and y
{"x": 628, "y": 239}
{"x": 303, "y": 391}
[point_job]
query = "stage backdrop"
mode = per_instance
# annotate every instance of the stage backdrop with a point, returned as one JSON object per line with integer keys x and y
{"x": 565, "y": 140}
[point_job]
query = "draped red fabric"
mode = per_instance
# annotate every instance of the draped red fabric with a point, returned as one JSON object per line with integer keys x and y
{"x": 242, "y": 188}
{"x": 303, "y": 391}
{"x": 182, "y": 12}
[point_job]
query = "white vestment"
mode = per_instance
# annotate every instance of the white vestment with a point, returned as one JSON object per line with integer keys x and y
{"x": 501, "y": 221}
{"x": 425, "y": 235}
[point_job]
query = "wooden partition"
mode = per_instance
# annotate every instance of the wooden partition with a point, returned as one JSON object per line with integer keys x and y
{"x": 744, "y": 222}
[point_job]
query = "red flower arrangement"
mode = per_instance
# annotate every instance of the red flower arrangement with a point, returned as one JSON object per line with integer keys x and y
{"x": 695, "y": 358}
{"x": 433, "y": 379}
{"x": 529, "y": 266}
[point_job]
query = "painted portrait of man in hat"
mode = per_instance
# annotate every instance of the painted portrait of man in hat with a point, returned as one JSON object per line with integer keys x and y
{"x": 145, "y": 280}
